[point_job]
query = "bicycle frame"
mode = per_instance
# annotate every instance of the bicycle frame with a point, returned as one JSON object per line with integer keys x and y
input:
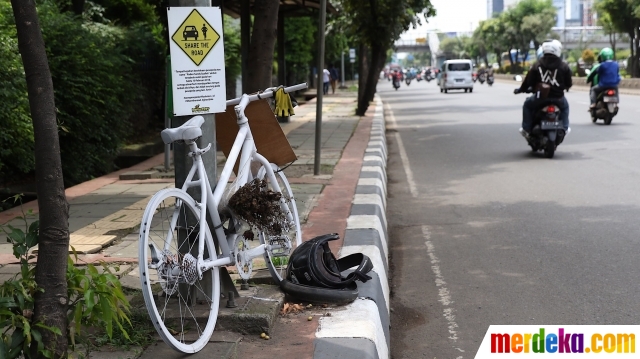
{"x": 243, "y": 146}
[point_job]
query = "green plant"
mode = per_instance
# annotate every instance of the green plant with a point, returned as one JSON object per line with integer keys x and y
{"x": 19, "y": 331}
{"x": 96, "y": 299}
{"x": 16, "y": 137}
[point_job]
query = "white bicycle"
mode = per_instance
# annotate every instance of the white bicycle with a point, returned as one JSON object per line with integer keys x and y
{"x": 177, "y": 246}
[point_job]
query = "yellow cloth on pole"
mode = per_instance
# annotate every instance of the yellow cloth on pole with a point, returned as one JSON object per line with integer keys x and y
{"x": 284, "y": 107}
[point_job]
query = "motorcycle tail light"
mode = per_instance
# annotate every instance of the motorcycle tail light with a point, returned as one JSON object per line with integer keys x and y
{"x": 610, "y": 92}
{"x": 551, "y": 109}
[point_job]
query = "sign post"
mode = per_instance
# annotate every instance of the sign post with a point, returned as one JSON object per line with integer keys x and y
{"x": 198, "y": 87}
{"x": 197, "y": 61}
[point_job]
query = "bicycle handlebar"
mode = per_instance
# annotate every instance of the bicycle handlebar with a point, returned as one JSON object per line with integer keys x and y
{"x": 266, "y": 94}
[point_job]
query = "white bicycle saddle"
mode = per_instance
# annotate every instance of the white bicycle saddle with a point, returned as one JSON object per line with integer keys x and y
{"x": 189, "y": 131}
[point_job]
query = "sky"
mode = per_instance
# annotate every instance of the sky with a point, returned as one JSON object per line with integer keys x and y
{"x": 452, "y": 15}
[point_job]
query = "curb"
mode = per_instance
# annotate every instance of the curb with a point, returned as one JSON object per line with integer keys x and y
{"x": 361, "y": 329}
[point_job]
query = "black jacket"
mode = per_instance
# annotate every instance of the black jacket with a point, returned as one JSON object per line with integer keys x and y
{"x": 551, "y": 70}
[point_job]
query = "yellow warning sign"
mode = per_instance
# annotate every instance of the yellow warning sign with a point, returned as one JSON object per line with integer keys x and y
{"x": 196, "y": 37}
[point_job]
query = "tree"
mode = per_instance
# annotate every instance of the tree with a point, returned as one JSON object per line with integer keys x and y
{"x": 299, "y": 35}
{"x": 375, "y": 25}
{"x": 232, "y": 52}
{"x": 263, "y": 40}
{"x": 515, "y": 29}
{"x": 51, "y": 304}
{"x": 604, "y": 20}
{"x": 625, "y": 18}
{"x": 492, "y": 35}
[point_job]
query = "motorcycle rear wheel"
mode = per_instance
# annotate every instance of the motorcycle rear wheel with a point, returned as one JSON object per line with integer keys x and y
{"x": 549, "y": 149}
{"x": 608, "y": 119}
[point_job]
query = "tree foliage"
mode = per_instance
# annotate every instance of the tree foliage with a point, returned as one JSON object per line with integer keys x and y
{"x": 376, "y": 25}
{"x": 530, "y": 21}
{"x": 624, "y": 16}
{"x": 299, "y": 47}
{"x": 108, "y": 87}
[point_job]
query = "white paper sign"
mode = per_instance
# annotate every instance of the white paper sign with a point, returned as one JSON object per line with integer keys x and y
{"x": 197, "y": 60}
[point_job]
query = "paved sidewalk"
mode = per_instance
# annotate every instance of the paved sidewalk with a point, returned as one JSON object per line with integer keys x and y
{"x": 105, "y": 215}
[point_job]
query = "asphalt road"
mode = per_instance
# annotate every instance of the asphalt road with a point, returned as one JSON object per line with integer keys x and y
{"x": 483, "y": 231}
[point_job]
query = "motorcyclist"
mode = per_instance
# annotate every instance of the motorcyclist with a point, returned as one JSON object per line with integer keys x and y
{"x": 608, "y": 75}
{"x": 482, "y": 71}
{"x": 549, "y": 69}
{"x": 396, "y": 75}
{"x": 592, "y": 78}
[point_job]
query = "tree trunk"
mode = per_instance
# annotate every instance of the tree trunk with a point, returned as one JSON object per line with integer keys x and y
{"x": 378, "y": 55}
{"x": 364, "y": 62}
{"x": 499, "y": 59}
{"x": 263, "y": 40}
{"x": 78, "y": 6}
{"x": 51, "y": 267}
{"x": 612, "y": 42}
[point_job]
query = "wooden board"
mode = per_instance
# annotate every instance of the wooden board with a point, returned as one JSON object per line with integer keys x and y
{"x": 270, "y": 140}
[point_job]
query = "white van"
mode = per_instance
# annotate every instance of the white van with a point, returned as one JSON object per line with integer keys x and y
{"x": 456, "y": 75}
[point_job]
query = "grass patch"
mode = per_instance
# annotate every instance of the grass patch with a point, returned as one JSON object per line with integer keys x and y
{"x": 141, "y": 333}
{"x": 280, "y": 261}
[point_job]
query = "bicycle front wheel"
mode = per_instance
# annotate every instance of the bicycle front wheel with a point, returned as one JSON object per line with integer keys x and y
{"x": 280, "y": 246}
{"x": 182, "y": 307}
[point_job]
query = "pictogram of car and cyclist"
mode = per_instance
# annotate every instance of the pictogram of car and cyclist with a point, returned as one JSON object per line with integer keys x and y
{"x": 191, "y": 31}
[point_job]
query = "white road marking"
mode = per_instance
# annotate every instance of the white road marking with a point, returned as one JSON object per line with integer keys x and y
{"x": 403, "y": 155}
{"x": 443, "y": 291}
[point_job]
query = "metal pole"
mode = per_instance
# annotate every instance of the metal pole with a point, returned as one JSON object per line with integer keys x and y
{"x": 342, "y": 70}
{"x": 167, "y": 119}
{"x": 245, "y": 38}
{"x": 321, "y": 25}
{"x": 182, "y": 163}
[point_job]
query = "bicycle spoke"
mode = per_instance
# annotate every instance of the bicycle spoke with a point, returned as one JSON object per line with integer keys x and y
{"x": 183, "y": 303}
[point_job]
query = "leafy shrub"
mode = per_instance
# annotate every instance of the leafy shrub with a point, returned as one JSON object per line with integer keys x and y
{"x": 16, "y": 137}
{"x": 95, "y": 300}
{"x": 589, "y": 57}
{"x": 96, "y": 91}
{"x": 508, "y": 69}
{"x": 108, "y": 84}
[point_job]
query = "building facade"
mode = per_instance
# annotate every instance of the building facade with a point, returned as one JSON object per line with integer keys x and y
{"x": 494, "y": 7}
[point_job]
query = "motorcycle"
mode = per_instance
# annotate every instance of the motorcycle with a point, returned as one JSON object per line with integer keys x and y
{"x": 548, "y": 131}
{"x": 408, "y": 81}
{"x": 490, "y": 80}
{"x": 396, "y": 83}
{"x": 482, "y": 78}
{"x": 606, "y": 106}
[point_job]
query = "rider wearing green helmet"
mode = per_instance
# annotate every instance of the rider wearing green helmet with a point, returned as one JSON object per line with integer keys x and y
{"x": 608, "y": 75}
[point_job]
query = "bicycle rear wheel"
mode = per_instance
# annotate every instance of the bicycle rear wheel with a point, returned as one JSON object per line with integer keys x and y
{"x": 182, "y": 307}
{"x": 277, "y": 257}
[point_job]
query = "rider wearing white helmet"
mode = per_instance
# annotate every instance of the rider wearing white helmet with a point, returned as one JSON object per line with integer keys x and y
{"x": 551, "y": 70}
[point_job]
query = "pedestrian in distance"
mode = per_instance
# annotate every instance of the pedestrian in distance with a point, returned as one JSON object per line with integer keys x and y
{"x": 333, "y": 72}
{"x": 326, "y": 78}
